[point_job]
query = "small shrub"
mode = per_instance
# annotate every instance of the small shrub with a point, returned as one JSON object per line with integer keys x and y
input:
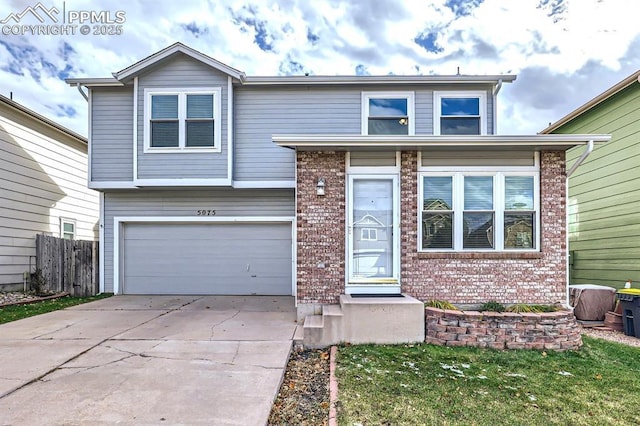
{"x": 441, "y": 304}
{"x": 534, "y": 309}
{"x": 37, "y": 283}
{"x": 521, "y": 308}
{"x": 549, "y": 308}
{"x": 492, "y": 306}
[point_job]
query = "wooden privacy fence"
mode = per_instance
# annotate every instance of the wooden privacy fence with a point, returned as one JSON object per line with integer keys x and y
{"x": 68, "y": 265}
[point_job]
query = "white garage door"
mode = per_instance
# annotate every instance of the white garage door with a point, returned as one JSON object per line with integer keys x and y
{"x": 207, "y": 258}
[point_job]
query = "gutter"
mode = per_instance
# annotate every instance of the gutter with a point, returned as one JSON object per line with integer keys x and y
{"x": 496, "y": 90}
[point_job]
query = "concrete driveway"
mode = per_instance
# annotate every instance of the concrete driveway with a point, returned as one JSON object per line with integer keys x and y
{"x": 147, "y": 360}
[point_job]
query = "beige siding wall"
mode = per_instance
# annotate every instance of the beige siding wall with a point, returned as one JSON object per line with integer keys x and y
{"x": 43, "y": 175}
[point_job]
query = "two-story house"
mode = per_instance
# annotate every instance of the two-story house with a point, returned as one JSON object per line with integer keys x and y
{"x": 215, "y": 182}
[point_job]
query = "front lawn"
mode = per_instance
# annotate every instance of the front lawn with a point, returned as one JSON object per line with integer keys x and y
{"x": 16, "y": 312}
{"x": 435, "y": 385}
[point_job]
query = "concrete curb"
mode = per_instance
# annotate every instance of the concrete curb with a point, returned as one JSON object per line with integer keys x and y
{"x": 333, "y": 388}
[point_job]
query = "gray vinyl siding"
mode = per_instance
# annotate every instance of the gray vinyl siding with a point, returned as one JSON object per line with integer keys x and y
{"x": 424, "y": 112}
{"x": 178, "y": 73}
{"x": 226, "y": 203}
{"x": 260, "y": 112}
{"x": 112, "y": 134}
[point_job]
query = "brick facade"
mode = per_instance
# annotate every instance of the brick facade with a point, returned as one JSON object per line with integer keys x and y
{"x": 461, "y": 278}
{"x": 473, "y": 278}
{"x": 320, "y": 226}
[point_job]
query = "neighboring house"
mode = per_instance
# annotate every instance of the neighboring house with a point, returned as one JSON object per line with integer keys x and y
{"x": 43, "y": 188}
{"x": 215, "y": 182}
{"x": 604, "y": 193}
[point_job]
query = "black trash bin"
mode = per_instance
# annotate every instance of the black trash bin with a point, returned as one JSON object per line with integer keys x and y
{"x": 630, "y": 301}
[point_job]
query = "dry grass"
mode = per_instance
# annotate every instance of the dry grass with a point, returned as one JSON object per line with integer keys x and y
{"x": 425, "y": 384}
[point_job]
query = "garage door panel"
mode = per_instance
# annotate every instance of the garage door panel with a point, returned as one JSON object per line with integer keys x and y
{"x": 179, "y": 258}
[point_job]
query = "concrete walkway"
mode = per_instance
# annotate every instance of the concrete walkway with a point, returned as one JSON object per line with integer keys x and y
{"x": 147, "y": 360}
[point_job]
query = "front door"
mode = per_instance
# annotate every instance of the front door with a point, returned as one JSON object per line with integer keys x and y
{"x": 372, "y": 234}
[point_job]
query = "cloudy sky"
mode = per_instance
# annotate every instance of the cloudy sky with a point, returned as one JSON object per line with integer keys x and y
{"x": 564, "y": 52}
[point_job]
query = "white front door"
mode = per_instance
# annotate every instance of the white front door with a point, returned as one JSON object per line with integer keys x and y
{"x": 372, "y": 234}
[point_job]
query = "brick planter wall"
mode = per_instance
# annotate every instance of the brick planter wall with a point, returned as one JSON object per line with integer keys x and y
{"x": 549, "y": 331}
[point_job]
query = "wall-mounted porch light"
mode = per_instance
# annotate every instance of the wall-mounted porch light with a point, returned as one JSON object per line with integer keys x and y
{"x": 320, "y": 186}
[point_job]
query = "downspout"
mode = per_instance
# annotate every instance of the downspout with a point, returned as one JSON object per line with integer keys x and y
{"x": 585, "y": 154}
{"x": 84, "y": 95}
{"x": 496, "y": 90}
{"x": 588, "y": 150}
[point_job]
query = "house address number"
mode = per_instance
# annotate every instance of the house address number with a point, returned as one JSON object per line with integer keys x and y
{"x": 205, "y": 212}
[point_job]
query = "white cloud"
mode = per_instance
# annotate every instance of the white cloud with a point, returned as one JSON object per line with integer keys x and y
{"x": 564, "y": 52}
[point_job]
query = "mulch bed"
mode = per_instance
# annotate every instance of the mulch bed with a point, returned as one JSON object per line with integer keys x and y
{"x": 304, "y": 394}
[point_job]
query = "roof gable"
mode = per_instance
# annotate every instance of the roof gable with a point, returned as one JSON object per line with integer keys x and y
{"x": 168, "y": 52}
{"x": 369, "y": 220}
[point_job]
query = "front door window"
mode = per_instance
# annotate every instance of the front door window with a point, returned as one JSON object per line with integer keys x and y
{"x": 372, "y": 236}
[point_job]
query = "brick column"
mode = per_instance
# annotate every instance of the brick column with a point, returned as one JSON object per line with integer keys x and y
{"x": 321, "y": 227}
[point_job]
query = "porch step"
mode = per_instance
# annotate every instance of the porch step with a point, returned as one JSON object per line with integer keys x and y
{"x": 298, "y": 337}
{"x": 366, "y": 320}
{"x": 323, "y": 330}
{"x": 313, "y": 321}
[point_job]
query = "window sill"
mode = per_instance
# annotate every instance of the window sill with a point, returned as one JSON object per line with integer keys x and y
{"x": 179, "y": 150}
{"x": 481, "y": 255}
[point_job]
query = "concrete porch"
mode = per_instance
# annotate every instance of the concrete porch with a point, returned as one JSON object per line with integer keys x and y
{"x": 369, "y": 319}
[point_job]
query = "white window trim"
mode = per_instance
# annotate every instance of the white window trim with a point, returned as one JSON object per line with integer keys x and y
{"x": 64, "y": 221}
{"x": 384, "y": 285}
{"x": 182, "y": 116}
{"x": 371, "y": 234}
{"x": 437, "y": 107}
{"x": 409, "y": 96}
{"x": 458, "y": 174}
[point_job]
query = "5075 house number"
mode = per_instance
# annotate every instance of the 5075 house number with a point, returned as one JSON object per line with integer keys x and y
{"x": 205, "y": 212}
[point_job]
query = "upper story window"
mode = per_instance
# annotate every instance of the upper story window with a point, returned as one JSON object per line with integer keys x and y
{"x": 460, "y": 113}
{"x": 388, "y": 113}
{"x": 182, "y": 120}
{"x": 479, "y": 211}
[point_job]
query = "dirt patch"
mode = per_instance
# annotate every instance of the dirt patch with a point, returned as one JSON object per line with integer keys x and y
{"x": 304, "y": 395}
{"x": 20, "y": 298}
